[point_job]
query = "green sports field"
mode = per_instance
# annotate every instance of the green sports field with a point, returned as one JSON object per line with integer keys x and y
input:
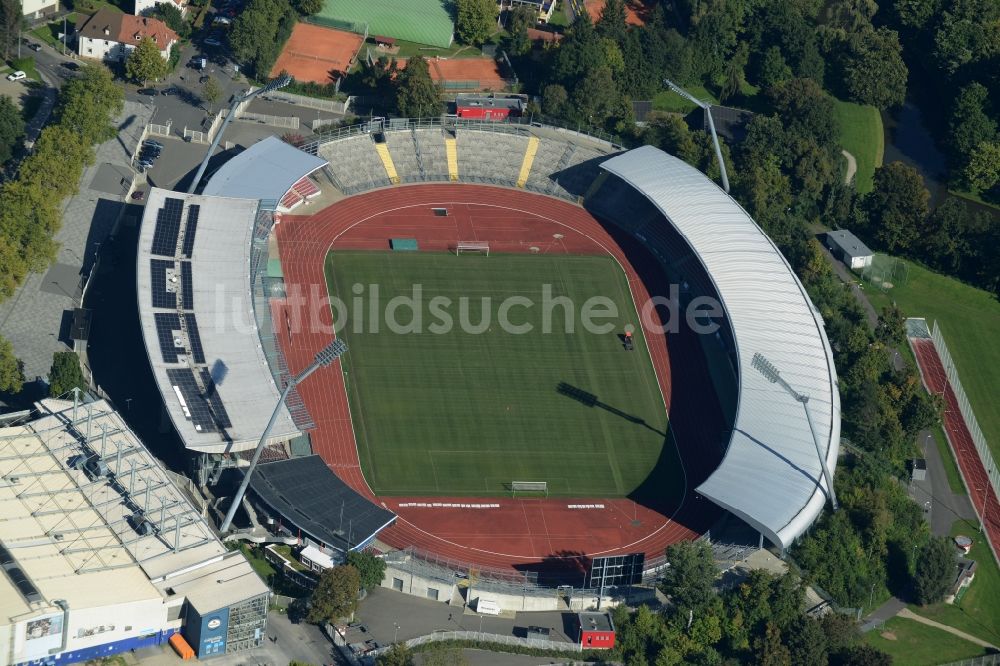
{"x": 423, "y": 21}
{"x": 463, "y": 413}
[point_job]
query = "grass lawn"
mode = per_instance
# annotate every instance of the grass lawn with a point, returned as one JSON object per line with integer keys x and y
{"x": 861, "y": 135}
{"x": 668, "y": 100}
{"x": 461, "y": 413}
{"x": 975, "y": 197}
{"x": 969, "y": 319}
{"x": 49, "y": 33}
{"x": 915, "y": 644}
{"x": 559, "y": 17}
{"x": 978, "y": 612}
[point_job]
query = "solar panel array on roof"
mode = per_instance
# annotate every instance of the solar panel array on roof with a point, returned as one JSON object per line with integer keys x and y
{"x": 212, "y": 395}
{"x": 198, "y": 409}
{"x": 190, "y": 229}
{"x": 187, "y": 286}
{"x": 166, "y": 325}
{"x": 168, "y": 228}
{"x": 195, "y": 339}
{"x": 158, "y": 275}
{"x": 18, "y": 577}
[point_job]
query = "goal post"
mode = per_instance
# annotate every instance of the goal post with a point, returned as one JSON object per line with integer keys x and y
{"x": 479, "y": 247}
{"x": 529, "y": 487}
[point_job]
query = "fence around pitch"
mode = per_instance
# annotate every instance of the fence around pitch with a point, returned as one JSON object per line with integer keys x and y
{"x": 982, "y": 448}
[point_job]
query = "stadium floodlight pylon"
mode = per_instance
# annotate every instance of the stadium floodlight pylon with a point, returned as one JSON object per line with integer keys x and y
{"x": 766, "y": 368}
{"x": 711, "y": 126}
{"x": 323, "y": 358}
{"x": 271, "y": 86}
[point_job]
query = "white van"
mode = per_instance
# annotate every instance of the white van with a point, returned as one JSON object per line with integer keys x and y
{"x": 487, "y": 606}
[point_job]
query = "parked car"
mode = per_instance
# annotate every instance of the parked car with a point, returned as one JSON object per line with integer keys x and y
{"x": 221, "y": 20}
{"x": 17, "y": 76}
{"x": 212, "y": 41}
{"x": 198, "y": 62}
{"x": 138, "y": 195}
{"x": 169, "y": 91}
{"x": 149, "y": 155}
{"x": 35, "y": 47}
{"x": 204, "y": 79}
{"x": 148, "y": 91}
{"x": 71, "y": 66}
{"x": 153, "y": 143}
{"x": 146, "y": 164}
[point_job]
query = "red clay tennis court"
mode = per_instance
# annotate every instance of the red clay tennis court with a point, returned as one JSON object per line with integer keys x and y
{"x": 317, "y": 54}
{"x": 637, "y": 12}
{"x": 482, "y": 70}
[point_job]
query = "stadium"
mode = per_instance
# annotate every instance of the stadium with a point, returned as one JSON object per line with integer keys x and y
{"x": 532, "y": 459}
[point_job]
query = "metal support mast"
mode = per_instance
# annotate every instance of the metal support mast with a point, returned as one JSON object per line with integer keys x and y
{"x": 325, "y": 357}
{"x": 277, "y": 83}
{"x": 711, "y": 126}
{"x": 766, "y": 368}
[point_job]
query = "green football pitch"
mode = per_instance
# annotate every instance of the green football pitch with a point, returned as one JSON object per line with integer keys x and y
{"x": 466, "y": 413}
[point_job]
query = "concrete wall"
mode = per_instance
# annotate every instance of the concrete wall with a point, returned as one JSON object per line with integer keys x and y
{"x": 417, "y": 585}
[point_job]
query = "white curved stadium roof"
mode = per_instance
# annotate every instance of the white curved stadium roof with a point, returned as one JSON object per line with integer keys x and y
{"x": 265, "y": 170}
{"x": 196, "y": 313}
{"x": 770, "y": 476}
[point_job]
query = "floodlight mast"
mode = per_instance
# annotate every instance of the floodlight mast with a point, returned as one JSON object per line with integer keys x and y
{"x": 711, "y": 126}
{"x": 766, "y": 368}
{"x": 323, "y": 358}
{"x": 275, "y": 84}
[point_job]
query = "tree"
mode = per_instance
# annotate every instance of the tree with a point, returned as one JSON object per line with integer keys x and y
{"x": 554, "y": 100}
{"x": 11, "y": 127}
{"x": 89, "y": 101}
{"x": 807, "y": 644}
{"x": 891, "y": 328}
{"x": 971, "y": 122}
{"x": 689, "y": 579}
{"x": 417, "y": 96}
{"x": 807, "y": 110}
{"x": 770, "y": 650}
{"x": 211, "y": 91}
{"x": 65, "y": 374}
{"x": 371, "y": 569}
{"x": 521, "y": 18}
{"x": 475, "y": 20}
{"x": 397, "y": 655}
{"x": 336, "y": 595}
{"x": 897, "y": 207}
{"x": 935, "y": 571}
{"x": 733, "y": 84}
{"x": 966, "y": 33}
{"x": 11, "y": 20}
{"x": 172, "y": 16}
{"x": 866, "y": 655}
{"x": 308, "y": 7}
{"x": 773, "y": 69}
{"x": 595, "y": 97}
{"x": 983, "y": 170}
{"x": 145, "y": 62}
{"x": 260, "y": 31}
{"x": 11, "y": 369}
{"x": 611, "y": 24}
{"x": 875, "y": 73}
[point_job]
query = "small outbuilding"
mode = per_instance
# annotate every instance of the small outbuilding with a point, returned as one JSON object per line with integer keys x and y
{"x": 848, "y": 248}
{"x": 597, "y": 631}
{"x": 488, "y": 107}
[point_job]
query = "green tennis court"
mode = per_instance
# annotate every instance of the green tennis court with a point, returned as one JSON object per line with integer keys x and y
{"x": 423, "y": 21}
{"x": 455, "y": 412}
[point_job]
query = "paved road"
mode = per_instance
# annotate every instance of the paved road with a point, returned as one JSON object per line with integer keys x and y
{"x": 880, "y": 615}
{"x": 384, "y": 609}
{"x": 910, "y": 615}
{"x": 850, "y": 279}
{"x": 943, "y": 506}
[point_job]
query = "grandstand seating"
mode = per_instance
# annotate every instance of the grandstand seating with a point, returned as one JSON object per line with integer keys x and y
{"x": 355, "y": 164}
{"x": 488, "y": 157}
{"x": 299, "y": 192}
{"x": 563, "y": 167}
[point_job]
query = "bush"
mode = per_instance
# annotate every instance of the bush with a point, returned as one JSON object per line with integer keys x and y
{"x": 65, "y": 374}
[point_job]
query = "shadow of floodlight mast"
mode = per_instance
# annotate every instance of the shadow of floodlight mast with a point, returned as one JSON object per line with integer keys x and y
{"x": 590, "y": 400}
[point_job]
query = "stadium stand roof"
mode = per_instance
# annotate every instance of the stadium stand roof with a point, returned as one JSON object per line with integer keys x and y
{"x": 309, "y": 495}
{"x": 72, "y": 530}
{"x": 265, "y": 170}
{"x": 770, "y": 475}
{"x": 196, "y": 314}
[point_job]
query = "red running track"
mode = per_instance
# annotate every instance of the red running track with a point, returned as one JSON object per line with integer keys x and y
{"x": 984, "y": 499}
{"x": 519, "y": 531}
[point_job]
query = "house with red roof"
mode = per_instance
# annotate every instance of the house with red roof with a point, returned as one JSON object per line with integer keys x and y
{"x": 111, "y": 36}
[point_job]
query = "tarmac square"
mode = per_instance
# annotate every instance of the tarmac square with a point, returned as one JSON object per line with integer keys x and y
{"x": 317, "y": 54}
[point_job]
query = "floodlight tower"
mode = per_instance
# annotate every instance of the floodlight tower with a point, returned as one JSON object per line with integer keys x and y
{"x": 766, "y": 368}
{"x": 325, "y": 357}
{"x": 274, "y": 84}
{"x": 711, "y": 126}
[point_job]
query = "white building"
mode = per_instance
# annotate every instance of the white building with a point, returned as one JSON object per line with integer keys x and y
{"x": 102, "y": 552}
{"x": 35, "y": 9}
{"x": 111, "y": 36}
{"x": 849, "y": 248}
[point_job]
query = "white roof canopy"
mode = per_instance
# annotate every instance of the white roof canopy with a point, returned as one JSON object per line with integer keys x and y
{"x": 770, "y": 476}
